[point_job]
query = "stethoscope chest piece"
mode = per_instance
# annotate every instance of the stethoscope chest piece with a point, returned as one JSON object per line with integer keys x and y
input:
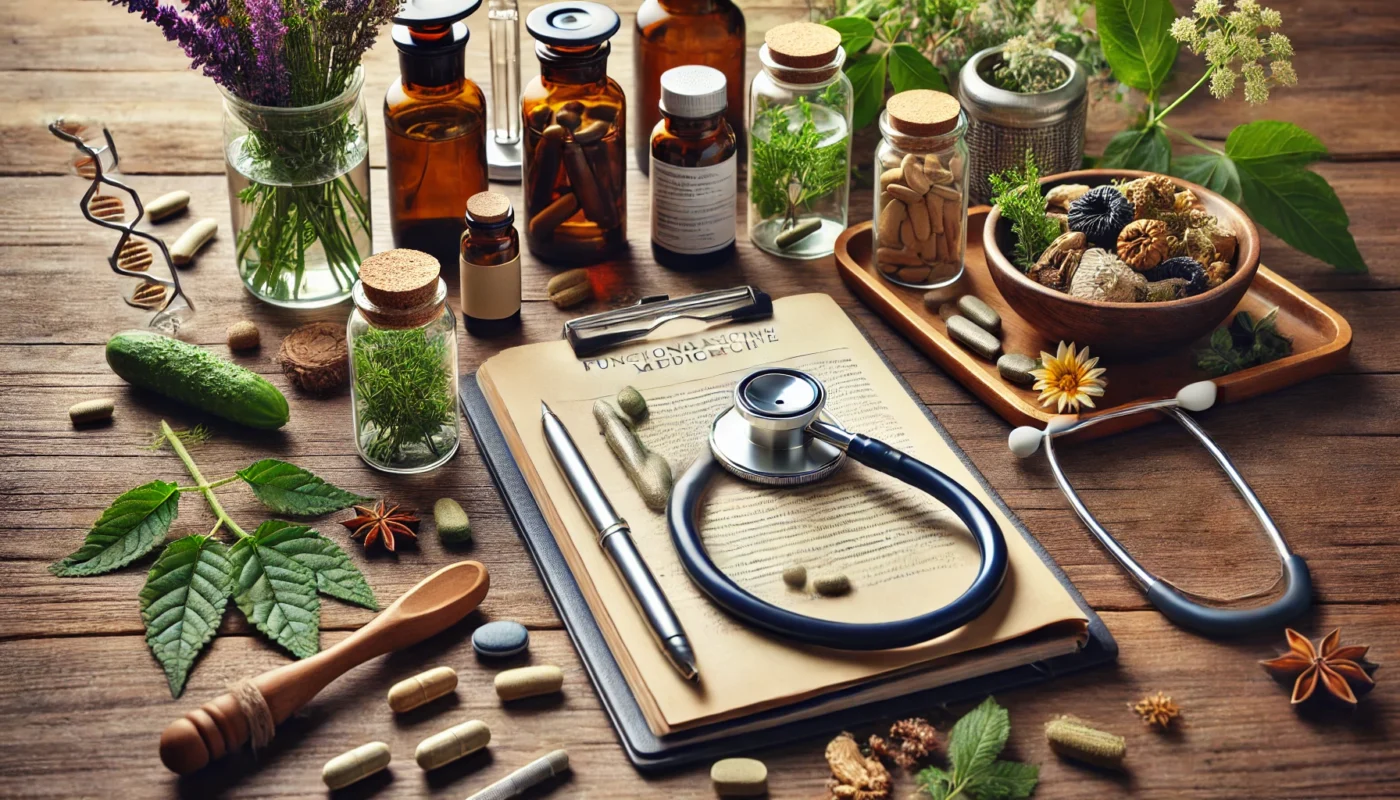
{"x": 763, "y": 438}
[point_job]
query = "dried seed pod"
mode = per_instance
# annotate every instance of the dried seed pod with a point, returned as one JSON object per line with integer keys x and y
{"x": 1224, "y": 241}
{"x": 1142, "y": 244}
{"x": 904, "y": 193}
{"x": 1197, "y": 244}
{"x": 1076, "y": 739}
{"x": 1056, "y": 265}
{"x": 1101, "y": 214}
{"x": 1064, "y": 194}
{"x": 1181, "y": 267}
{"x": 891, "y": 217}
{"x": 915, "y": 178}
{"x": 1103, "y": 276}
{"x": 1184, "y": 201}
{"x": 857, "y": 776}
{"x": 315, "y": 357}
{"x": 1151, "y": 195}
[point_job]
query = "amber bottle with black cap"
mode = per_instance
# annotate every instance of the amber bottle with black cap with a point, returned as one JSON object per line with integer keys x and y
{"x": 490, "y": 264}
{"x": 575, "y": 160}
{"x": 435, "y": 127}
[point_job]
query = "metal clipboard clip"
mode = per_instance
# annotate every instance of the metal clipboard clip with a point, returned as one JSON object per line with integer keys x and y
{"x": 594, "y": 333}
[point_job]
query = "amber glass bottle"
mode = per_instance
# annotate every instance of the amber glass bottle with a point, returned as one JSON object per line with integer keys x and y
{"x": 575, "y": 160}
{"x": 674, "y": 33}
{"x": 435, "y": 127}
{"x": 693, "y": 175}
{"x": 490, "y": 266}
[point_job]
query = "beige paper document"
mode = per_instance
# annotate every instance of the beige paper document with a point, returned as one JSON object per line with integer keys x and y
{"x": 904, "y": 553}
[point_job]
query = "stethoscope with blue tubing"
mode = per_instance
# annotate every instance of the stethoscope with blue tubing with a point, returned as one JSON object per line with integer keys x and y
{"x": 777, "y": 433}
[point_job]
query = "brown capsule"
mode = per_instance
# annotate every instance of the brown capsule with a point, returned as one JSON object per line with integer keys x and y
{"x": 597, "y": 208}
{"x": 542, "y": 225}
{"x": 568, "y": 119}
{"x": 545, "y": 172}
{"x": 541, "y": 117}
{"x": 592, "y": 132}
{"x": 893, "y": 214}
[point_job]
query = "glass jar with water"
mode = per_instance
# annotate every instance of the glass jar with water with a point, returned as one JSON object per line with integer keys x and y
{"x": 298, "y": 183}
{"x": 799, "y": 142}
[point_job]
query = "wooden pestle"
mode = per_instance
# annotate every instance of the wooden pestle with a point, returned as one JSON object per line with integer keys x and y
{"x": 218, "y": 727}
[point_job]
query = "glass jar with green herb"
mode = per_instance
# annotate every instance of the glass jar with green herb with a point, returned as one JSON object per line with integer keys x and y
{"x": 403, "y": 364}
{"x": 799, "y": 142}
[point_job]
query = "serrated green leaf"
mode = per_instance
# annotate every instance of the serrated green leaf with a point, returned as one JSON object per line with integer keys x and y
{"x": 278, "y": 596}
{"x": 935, "y": 782}
{"x": 182, "y": 602}
{"x": 867, "y": 75}
{"x": 910, "y": 69}
{"x": 1299, "y": 207}
{"x": 1005, "y": 780}
{"x": 289, "y": 489}
{"x": 856, "y": 33}
{"x": 336, "y": 574}
{"x": 1137, "y": 41}
{"x": 1269, "y": 141}
{"x": 1147, "y": 150}
{"x": 977, "y": 739}
{"x": 131, "y": 527}
{"x": 1214, "y": 172}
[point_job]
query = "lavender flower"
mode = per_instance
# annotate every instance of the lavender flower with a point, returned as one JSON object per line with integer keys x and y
{"x": 271, "y": 84}
{"x": 214, "y": 49}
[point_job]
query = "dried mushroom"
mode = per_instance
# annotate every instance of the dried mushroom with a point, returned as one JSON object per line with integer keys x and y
{"x": 1103, "y": 276}
{"x": 1181, "y": 267}
{"x": 1064, "y": 194}
{"x": 1101, "y": 214}
{"x": 1056, "y": 265}
{"x": 1223, "y": 239}
{"x": 1164, "y": 290}
{"x": 1151, "y": 195}
{"x": 1143, "y": 243}
{"x": 1185, "y": 201}
{"x": 854, "y": 776}
{"x": 1217, "y": 272}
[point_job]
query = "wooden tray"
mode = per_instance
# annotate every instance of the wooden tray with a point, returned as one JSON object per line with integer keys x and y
{"x": 1321, "y": 338}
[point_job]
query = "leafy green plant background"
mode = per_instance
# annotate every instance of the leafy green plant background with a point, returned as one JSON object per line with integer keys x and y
{"x": 1264, "y": 164}
{"x": 273, "y": 575}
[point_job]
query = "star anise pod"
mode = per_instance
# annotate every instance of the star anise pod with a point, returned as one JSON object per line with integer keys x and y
{"x": 381, "y": 524}
{"x": 1157, "y": 710}
{"x": 1340, "y": 670}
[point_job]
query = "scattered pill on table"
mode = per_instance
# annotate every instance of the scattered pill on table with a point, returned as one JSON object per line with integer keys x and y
{"x": 243, "y": 335}
{"x": 795, "y": 576}
{"x": 190, "y": 242}
{"x": 832, "y": 585}
{"x": 517, "y": 684}
{"x": 356, "y": 765}
{"x": 974, "y": 337}
{"x": 453, "y": 525}
{"x": 167, "y": 205}
{"x": 1016, "y": 368}
{"x": 424, "y": 687}
{"x": 500, "y": 639}
{"x": 739, "y": 777}
{"x": 456, "y": 742}
{"x": 90, "y": 411}
{"x": 979, "y": 312}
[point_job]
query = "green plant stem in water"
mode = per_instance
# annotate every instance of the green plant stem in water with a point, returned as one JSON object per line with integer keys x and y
{"x": 403, "y": 391}
{"x": 788, "y": 158}
{"x": 205, "y": 487}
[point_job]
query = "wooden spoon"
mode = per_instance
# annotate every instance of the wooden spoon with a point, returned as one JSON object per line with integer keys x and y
{"x": 220, "y": 726}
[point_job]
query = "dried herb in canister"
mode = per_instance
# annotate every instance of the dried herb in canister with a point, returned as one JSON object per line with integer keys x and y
{"x": 404, "y": 398}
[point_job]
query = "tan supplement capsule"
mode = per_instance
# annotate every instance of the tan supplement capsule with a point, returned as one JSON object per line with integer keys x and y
{"x": 166, "y": 205}
{"x": 795, "y": 576}
{"x": 515, "y": 684}
{"x": 739, "y": 777}
{"x": 832, "y": 585}
{"x": 355, "y": 765}
{"x": 189, "y": 243}
{"x": 569, "y": 288}
{"x": 456, "y": 742}
{"x": 424, "y": 687}
{"x": 243, "y": 335}
{"x": 90, "y": 411}
{"x": 1076, "y": 739}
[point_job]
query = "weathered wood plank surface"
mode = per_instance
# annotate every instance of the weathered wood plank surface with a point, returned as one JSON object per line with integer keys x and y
{"x": 85, "y": 700}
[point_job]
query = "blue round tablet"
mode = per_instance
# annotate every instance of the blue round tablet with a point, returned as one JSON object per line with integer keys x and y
{"x": 500, "y": 639}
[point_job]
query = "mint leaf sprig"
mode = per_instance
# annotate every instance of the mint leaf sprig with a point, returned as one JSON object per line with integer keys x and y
{"x": 974, "y": 771}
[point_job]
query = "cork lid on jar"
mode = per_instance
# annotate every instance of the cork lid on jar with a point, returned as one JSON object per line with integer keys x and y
{"x": 923, "y": 112}
{"x": 488, "y": 208}
{"x": 400, "y": 279}
{"x": 802, "y": 45}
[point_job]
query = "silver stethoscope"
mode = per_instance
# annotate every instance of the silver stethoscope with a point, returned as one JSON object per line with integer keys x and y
{"x": 1174, "y": 604}
{"x": 777, "y": 434}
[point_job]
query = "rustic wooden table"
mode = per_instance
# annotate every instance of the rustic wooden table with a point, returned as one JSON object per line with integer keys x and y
{"x": 83, "y": 701}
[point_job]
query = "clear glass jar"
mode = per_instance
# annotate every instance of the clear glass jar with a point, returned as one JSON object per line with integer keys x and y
{"x": 799, "y": 152}
{"x": 298, "y": 188}
{"x": 920, "y": 218}
{"x": 403, "y": 382}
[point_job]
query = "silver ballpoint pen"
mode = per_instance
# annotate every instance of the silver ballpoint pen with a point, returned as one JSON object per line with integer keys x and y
{"x": 616, "y": 540}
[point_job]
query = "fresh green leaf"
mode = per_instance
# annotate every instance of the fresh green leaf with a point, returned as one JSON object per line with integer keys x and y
{"x": 278, "y": 595}
{"x": 910, "y": 69}
{"x": 1299, "y": 207}
{"x": 336, "y": 574}
{"x": 130, "y": 528}
{"x": 936, "y": 782}
{"x": 977, "y": 739}
{"x": 1272, "y": 142}
{"x": 1214, "y": 172}
{"x": 857, "y": 33}
{"x": 1244, "y": 343}
{"x": 289, "y": 489}
{"x": 1137, "y": 40}
{"x": 1005, "y": 780}
{"x": 867, "y": 74}
{"x": 183, "y": 601}
{"x": 1147, "y": 150}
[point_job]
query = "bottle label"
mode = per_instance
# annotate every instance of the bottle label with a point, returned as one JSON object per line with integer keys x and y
{"x": 692, "y": 208}
{"x": 490, "y": 292}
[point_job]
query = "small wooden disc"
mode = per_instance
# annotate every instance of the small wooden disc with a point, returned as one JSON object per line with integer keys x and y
{"x": 488, "y": 207}
{"x": 316, "y": 357}
{"x": 400, "y": 278}
{"x": 802, "y": 45}
{"x": 923, "y": 112}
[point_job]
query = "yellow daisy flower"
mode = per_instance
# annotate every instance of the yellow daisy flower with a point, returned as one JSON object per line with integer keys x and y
{"x": 1068, "y": 379}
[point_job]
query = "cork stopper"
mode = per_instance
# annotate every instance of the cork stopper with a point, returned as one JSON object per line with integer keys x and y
{"x": 488, "y": 207}
{"x": 802, "y": 45}
{"x": 923, "y": 112}
{"x": 399, "y": 278}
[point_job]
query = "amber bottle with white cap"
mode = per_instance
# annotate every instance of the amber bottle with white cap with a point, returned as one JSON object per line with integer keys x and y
{"x": 694, "y": 179}
{"x": 490, "y": 266}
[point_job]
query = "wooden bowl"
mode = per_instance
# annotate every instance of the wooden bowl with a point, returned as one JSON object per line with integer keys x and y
{"x": 1123, "y": 329}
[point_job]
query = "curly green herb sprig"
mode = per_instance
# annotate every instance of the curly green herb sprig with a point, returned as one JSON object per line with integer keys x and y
{"x": 789, "y": 155}
{"x": 403, "y": 391}
{"x": 1017, "y": 193}
{"x": 1028, "y": 67}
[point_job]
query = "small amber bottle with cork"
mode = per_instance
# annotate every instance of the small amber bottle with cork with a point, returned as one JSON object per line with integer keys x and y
{"x": 693, "y": 177}
{"x": 575, "y": 160}
{"x": 435, "y": 128}
{"x": 490, "y": 266}
{"x": 675, "y": 33}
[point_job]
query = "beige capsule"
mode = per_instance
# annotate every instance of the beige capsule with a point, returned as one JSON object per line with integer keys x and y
{"x": 890, "y": 176}
{"x": 934, "y": 204}
{"x": 941, "y": 243}
{"x": 891, "y": 216}
{"x": 928, "y": 248}
{"x": 914, "y": 175}
{"x": 166, "y": 205}
{"x": 458, "y": 741}
{"x": 918, "y": 217}
{"x": 919, "y": 274}
{"x": 190, "y": 242}
{"x": 906, "y": 234}
{"x": 422, "y": 688}
{"x": 947, "y": 193}
{"x": 955, "y": 166}
{"x": 931, "y": 163}
{"x": 515, "y": 684}
{"x": 356, "y": 765}
{"x": 902, "y": 258}
{"x": 905, "y": 193}
{"x": 952, "y": 222}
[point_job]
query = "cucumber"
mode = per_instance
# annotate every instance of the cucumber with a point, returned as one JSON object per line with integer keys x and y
{"x": 195, "y": 376}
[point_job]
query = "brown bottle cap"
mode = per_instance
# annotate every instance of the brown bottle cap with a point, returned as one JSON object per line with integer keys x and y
{"x": 488, "y": 207}
{"x": 923, "y": 112}
{"x": 802, "y": 45}
{"x": 400, "y": 278}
